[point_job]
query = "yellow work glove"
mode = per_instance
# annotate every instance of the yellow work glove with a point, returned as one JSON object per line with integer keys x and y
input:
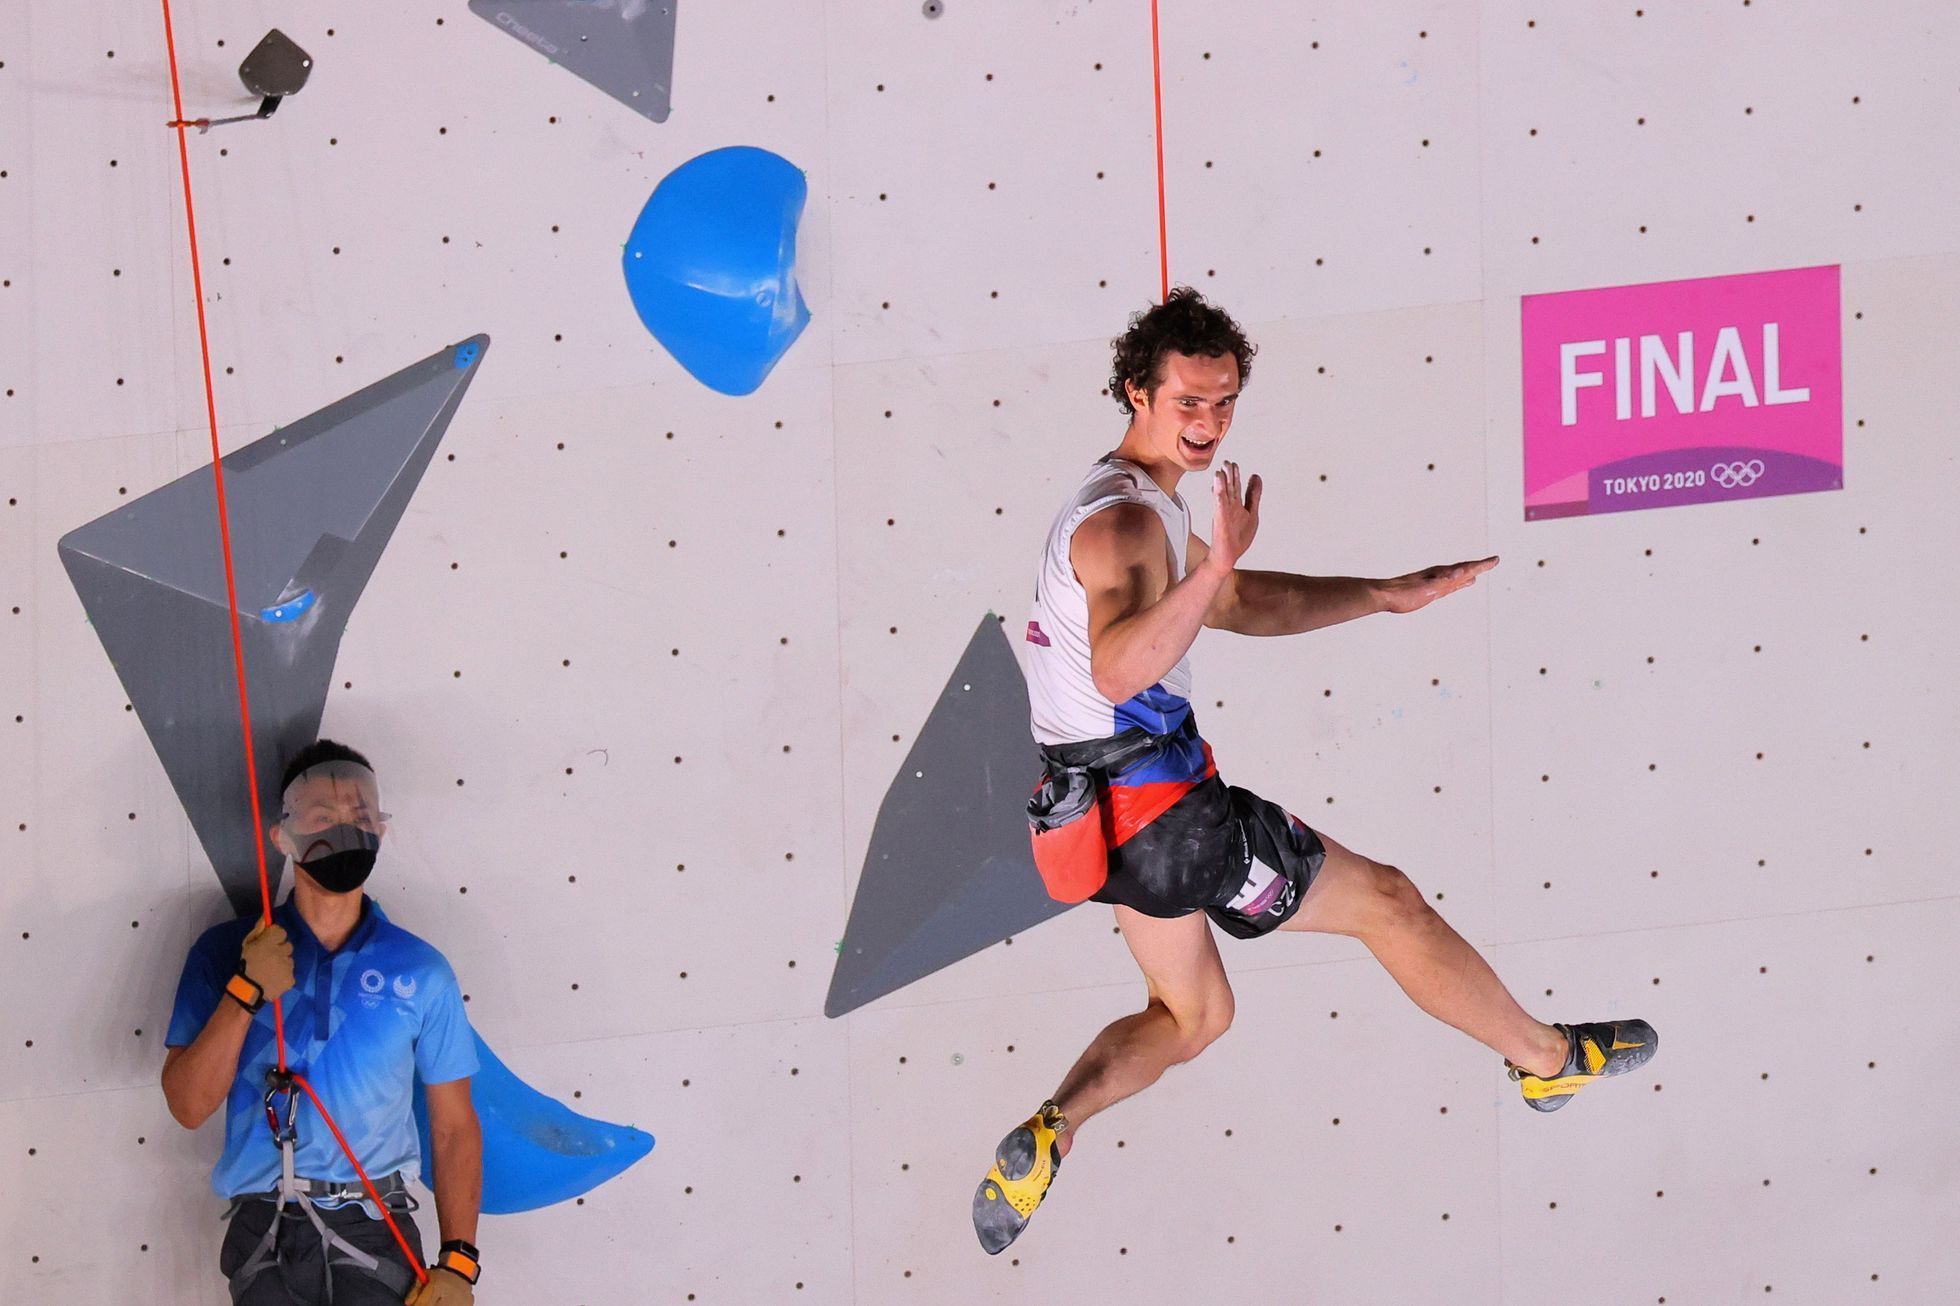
{"x": 442, "y": 1289}
{"x": 265, "y": 962}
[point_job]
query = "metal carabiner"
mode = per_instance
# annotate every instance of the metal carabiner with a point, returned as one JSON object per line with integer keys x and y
{"x": 277, "y": 1082}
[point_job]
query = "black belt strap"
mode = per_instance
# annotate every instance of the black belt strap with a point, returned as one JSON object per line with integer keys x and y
{"x": 384, "y": 1187}
{"x": 1116, "y": 752}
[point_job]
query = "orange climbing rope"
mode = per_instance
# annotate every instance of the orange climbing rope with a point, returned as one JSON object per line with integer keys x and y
{"x": 237, "y": 640}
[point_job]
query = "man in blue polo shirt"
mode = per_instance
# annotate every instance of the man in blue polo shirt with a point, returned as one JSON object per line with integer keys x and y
{"x": 368, "y": 1007}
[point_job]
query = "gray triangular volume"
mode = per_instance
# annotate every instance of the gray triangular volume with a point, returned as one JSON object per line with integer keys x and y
{"x": 623, "y": 47}
{"x": 949, "y": 871}
{"x": 311, "y": 507}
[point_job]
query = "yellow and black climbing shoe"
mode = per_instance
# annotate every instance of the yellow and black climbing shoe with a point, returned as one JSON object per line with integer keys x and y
{"x": 1024, "y": 1165}
{"x": 1597, "y": 1051}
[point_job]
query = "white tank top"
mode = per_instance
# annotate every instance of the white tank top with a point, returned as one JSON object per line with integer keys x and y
{"x": 1066, "y": 706}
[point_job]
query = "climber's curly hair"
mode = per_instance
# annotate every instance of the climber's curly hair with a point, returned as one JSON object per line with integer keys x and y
{"x": 1183, "y": 324}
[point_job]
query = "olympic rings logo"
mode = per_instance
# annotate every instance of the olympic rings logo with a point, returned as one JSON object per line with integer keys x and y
{"x": 1738, "y": 475}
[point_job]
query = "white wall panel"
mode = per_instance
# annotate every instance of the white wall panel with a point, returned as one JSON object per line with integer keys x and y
{"x": 1648, "y": 143}
{"x": 94, "y": 309}
{"x": 994, "y": 174}
{"x": 16, "y": 217}
{"x": 695, "y": 726}
{"x": 76, "y": 736}
{"x": 1780, "y": 1146}
{"x": 154, "y": 1230}
{"x": 1323, "y": 159}
{"x": 748, "y": 1200}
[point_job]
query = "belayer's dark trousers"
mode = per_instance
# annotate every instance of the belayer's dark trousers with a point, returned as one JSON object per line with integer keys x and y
{"x": 299, "y": 1279}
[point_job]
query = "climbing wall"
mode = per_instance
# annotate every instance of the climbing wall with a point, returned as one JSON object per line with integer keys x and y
{"x": 642, "y": 659}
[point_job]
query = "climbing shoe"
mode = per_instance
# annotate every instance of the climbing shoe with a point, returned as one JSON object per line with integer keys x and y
{"x": 1596, "y": 1051}
{"x": 1024, "y": 1165}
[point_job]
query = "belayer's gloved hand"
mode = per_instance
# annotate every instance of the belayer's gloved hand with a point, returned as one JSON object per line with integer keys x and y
{"x": 444, "y": 1288}
{"x": 266, "y": 959}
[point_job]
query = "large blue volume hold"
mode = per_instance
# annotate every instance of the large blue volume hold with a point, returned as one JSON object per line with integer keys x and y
{"x": 711, "y": 265}
{"x": 536, "y": 1151}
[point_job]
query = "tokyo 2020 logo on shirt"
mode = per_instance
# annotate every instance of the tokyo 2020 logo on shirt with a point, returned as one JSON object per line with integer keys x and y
{"x": 374, "y": 984}
{"x": 1682, "y": 392}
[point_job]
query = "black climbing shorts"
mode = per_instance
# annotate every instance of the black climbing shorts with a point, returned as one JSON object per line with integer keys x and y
{"x": 1244, "y": 861}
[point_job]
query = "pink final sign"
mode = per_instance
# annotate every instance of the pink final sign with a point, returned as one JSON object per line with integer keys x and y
{"x": 1682, "y": 392}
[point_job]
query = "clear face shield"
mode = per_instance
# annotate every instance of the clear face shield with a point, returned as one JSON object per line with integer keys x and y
{"x": 332, "y": 818}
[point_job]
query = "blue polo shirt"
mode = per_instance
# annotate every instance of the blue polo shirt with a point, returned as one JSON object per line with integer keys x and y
{"x": 361, "y": 1023}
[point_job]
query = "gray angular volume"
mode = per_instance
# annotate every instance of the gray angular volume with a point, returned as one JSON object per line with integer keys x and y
{"x": 949, "y": 871}
{"x": 311, "y": 508}
{"x": 623, "y": 47}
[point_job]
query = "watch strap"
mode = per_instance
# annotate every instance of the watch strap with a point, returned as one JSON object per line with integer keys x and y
{"x": 241, "y": 989}
{"x": 460, "y": 1258}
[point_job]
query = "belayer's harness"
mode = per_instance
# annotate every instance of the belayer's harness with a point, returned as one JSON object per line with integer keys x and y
{"x": 311, "y": 1195}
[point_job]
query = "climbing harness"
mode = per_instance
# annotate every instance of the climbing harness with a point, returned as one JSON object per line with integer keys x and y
{"x": 311, "y": 1196}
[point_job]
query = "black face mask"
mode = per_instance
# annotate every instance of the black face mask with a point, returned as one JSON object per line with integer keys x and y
{"x": 340, "y": 858}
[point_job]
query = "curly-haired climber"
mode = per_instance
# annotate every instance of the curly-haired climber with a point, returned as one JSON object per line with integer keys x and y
{"x": 1131, "y": 810}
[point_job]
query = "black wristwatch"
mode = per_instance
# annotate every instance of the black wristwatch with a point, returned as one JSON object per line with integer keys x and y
{"x": 461, "y": 1260}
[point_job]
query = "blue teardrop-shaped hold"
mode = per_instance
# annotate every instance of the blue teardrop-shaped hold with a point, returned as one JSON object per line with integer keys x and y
{"x": 466, "y": 354}
{"x": 711, "y": 265}
{"x": 536, "y": 1151}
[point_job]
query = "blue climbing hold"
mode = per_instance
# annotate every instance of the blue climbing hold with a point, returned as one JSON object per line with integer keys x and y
{"x": 291, "y": 610}
{"x": 536, "y": 1151}
{"x": 711, "y": 265}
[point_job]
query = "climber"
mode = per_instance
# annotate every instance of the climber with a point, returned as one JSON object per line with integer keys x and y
{"x": 1131, "y": 810}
